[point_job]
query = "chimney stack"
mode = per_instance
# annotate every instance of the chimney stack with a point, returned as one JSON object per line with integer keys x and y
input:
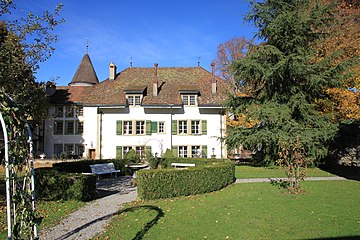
{"x": 155, "y": 82}
{"x": 112, "y": 71}
{"x": 213, "y": 80}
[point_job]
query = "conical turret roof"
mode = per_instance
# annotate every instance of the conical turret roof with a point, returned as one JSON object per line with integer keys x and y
{"x": 85, "y": 74}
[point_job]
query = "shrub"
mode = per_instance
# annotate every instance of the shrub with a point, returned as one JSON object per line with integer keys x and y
{"x": 53, "y": 185}
{"x": 84, "y": 166}
{"x": 132, "y": 157}
{"x": 167, "y": 183}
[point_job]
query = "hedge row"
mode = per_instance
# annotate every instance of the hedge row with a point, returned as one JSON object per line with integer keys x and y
{"x": 167, "y": 183}
{"x": 53, "y": 185}
{"x": 84, "y": 166}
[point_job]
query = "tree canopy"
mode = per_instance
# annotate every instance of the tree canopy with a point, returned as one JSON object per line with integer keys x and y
{"x": 284, "y": 80}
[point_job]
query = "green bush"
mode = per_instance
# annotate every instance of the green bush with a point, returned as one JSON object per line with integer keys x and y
{"x": 84, "y": 166}
{"x": 132, "y": 157}
{"x": 53, "y": 185}
{"x": 207, "y": 176}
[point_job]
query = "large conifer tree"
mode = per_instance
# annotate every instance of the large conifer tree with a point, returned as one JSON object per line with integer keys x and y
{"x": 284, "y": 79}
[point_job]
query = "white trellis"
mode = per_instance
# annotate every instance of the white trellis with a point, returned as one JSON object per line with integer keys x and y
{"x": 30, "y": 162}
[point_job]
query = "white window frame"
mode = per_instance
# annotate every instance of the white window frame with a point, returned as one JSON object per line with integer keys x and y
{"x": 183, "y": 127}
{"x": 128, "y": 127}
{"x": 134, "y": 99}
{"x": 195, "y": 151}
{"x": 195, "y": 126}
{"x": 189, "y": 99}
{"x": 140, "y": 127}
{"x": 183, "y": 151}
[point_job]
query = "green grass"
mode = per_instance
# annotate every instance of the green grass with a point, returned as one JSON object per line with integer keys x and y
{"x": 274, "y": 172}
{"x": 51, "y": 211}
{"x": 246, "y": 211}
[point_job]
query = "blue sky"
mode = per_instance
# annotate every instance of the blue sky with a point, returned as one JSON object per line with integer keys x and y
{"x": 170, "y": 33}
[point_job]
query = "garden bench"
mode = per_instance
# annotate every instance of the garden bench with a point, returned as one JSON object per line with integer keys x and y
{"x": 104, "y": 168}
{"x": 182, "y": 165}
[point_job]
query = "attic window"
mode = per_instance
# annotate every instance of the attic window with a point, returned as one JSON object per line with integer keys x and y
{"x": 189, "y": 99}
{"x": 134, "y": 99}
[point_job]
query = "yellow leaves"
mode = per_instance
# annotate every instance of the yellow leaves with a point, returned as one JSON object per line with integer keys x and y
{"x": 241, "y": 120}
{"x": 347, "y": 102}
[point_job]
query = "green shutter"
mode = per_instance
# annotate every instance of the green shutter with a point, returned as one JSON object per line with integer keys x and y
{"x": 203, "y": 127}
{"x": 175, "y": 151}
{"x": 174, "y": 129}
{"x": 118, "y": 152}
{"x": 148, "y": 127}
{"x": 148, "y": 151}
{"x": 154, "y": 127}
{"x": 204, "y": 151}
{"x": 119, "y": 128}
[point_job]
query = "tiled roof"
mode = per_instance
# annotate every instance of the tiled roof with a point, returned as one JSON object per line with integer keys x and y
{"x": 85, "y": 74}
{"x": 170, "y": 82}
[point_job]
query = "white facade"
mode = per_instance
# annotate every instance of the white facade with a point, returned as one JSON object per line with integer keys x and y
{"x": 101, "y": 141}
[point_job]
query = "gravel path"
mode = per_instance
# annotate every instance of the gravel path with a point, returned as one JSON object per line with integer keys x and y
{"x": 91, "y": 219}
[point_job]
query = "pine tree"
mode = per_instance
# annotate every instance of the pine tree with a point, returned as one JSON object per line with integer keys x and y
{"x": 283, "y": 80}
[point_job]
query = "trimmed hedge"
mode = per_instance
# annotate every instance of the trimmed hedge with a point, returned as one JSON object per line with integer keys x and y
{"x": 83, "y": 166}
{"x": 207, "y": 176}
{"x": 53, "y": 185}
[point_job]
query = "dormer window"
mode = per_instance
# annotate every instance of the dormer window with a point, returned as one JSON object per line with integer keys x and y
{"x": 135, "y": 95}
{"x": 189, "y": 97}
{"x": 134, "y": 100}
{"x": 189, "y": 100}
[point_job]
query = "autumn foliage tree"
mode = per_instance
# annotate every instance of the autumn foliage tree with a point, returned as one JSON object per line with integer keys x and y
{"x": 345, "y": 41}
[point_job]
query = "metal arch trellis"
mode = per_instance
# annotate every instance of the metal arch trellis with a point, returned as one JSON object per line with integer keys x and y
{"x": 8, "y": 178}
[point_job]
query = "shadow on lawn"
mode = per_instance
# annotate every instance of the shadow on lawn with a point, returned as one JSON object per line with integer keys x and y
{"x": 139, "y": 235}
{"x": 352, "y": 173}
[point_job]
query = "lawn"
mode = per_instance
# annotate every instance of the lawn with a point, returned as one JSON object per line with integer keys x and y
{"x": 274, "y": 172}
{"x": 327, "y": 209}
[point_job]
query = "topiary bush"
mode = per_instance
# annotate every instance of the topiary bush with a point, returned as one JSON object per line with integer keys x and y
{"x": 166, "y": 183}
{"x": 53, "y": 185}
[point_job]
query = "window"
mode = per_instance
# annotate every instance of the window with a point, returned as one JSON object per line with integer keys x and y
{"x": 79, "y": 149}
{"x": 183, "y": 127}
{"x": 79, "y": 127}
{"x": 189, "y": 100}
{"x": 127, "y": 127}
{"x": 161, "y": 128}
{"x": 69, "y": 127}
{"x": 58, "y": 127}
{"x": 140, "y": 127}
{"x": 126, "y": 149}
{"x": 58, "y": 149}
{"x": 185, "y": 99}
{"x": 59, "y": 111}
{"x": 134, "y": 100}
{"x": 140, "y": 151}
{"x": 195, "y": 127}
{"x": 69, "y": 149}
{"x": 79, "y": 111}
{"x": 183, "y": 152}
{"x": 195, "y": 151}
{"x": 69, "y": 111}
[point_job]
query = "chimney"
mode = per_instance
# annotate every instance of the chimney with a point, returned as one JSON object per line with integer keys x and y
{"x": 213, "y": 80}
{"x": 155, "y": 82}
{"x": 112, "y": 71}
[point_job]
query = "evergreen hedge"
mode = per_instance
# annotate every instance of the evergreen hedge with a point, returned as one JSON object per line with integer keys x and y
{"x": 207, "y": 176}
{"x": 53, "y": 185}
{"x": 83, "y": 166}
